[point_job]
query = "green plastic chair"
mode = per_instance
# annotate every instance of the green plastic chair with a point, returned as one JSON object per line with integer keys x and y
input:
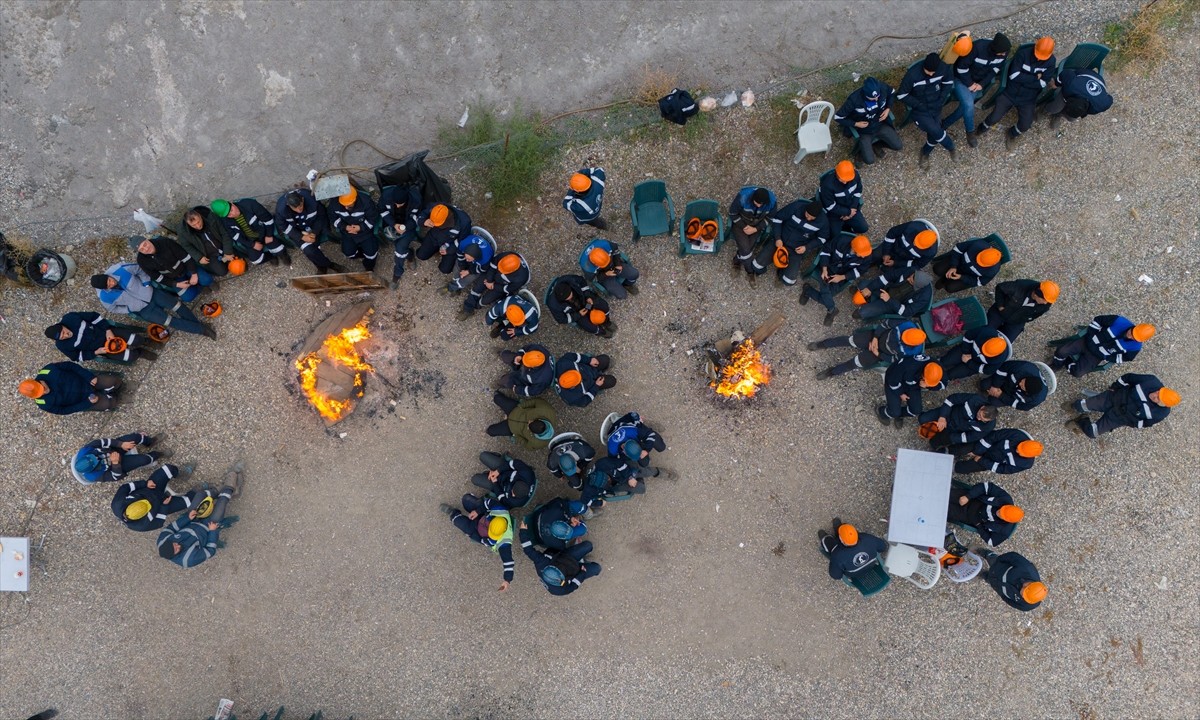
{"x": 973, "y": 316}
{"x": 1004, "y": 77}
{"x": 1085, "y": 56}
{"x": 870, "y": 579}
{"x": 702, "y": 210}
{"x": 651, "y": 210}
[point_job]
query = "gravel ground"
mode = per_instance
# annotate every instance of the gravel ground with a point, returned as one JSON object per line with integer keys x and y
{"x": 342, "y": 589}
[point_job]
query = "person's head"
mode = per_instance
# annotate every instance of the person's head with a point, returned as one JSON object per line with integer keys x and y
{"x": 931, "y": 375}
{"x": 986, "y": 413}
{"x": 920, "y": 280}
{"x": 1031, "y": 385}
{"x": 508, "y": 263}
{"x": 1010, "y": 513}
{"x": 570, "y": 379}
{"x": 438, "y": 215}
{"x": 599, "y": 257}
{"x": 567, "y": 465}
{"x": 194, "y": 219}
{"x": 844, "y": 171}
{"x": 562, "y": 292}
{"x": 561, "y": 530}
{"x": 473, "y": 252}
{"x": 295, "y": 200}
{"x": 1033, "y": 592}
{"x": 1043, "y": 48}
{"x": 552, "y": 576}
{"x": 1029, "y": 448}
{"x": 533, "y": 358}
{"x": 988, "y": 257}
{"x": 520, "y": 489}
{"x": 1046, "y": 292}
{"x": 146, "y": 247}
{"x": 575, "y": 510}
{"x": 872, "y": 89}
{"x": 913, "y": 337}
{"x": 32, "y": 389}
{"x": 348, "y": 199}
{"x": 1075, "y": 108}
{"x": 861, "y": 246}
{"x": 963, "y": 46}
{"x": 1165, "y": 397}
{"x": 847, "y": 534}
{"x": 925, "y": 239}
{"x": 541, "y": 429}
{"x": 1141, "y": 332}
{"x": 606, "y": 381}
{"x": 580, "y": 183}
{"x": 514, "y": 315}
{"x": 760, "y": 197}
{"x": 103, "y": 282}
{"x": 994, "y": 347}
{"x": 58, "y": 331}
{"x": 931, "y": 63}
{"x": 169, "y": 549}
{"x": 1000, "y": 45}
{"x": 632, "y": 449}
{"x": 497, "y": 526}
{"x": 221, "y": 208}
{"x": 137, "y": 509}
{"x": 811, "y": 210}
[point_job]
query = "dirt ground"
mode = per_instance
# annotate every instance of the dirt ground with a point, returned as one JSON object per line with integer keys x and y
{"x": 343, "y": 589}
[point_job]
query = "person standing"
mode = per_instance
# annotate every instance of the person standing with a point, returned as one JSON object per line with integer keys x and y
{"x": 1133, "y": 400}
{"x": 903, "y": 383}
{"x": 1080, "y": 93}
{"x": 585, "y": 197}
{"x": 1015, "y": 579}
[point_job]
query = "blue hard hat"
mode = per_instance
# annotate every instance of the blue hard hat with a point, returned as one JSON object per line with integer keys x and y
{"x": 632, "y": 450}
{"x": 561, "y": 530}
{"x": 566, "y": 463}
{"x": 553, "y": 576}
{"x": 574, "y": 507}
{"x": 87, "y": 463}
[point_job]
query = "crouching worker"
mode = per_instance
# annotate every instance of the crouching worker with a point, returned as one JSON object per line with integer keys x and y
{"x": 558, "y": 524}
{"x": 194, "y": 538}
{"x": 507, "y": 479}
{"x": 987, "y": 509}
{"x": 561, "y": 571}
{"x": 144, "y": 505}
{"x": 488, "y": 523}
{"x": 110, "y": 459}
{"x": 573, "y": 302}
{"x": 848, "y": 550}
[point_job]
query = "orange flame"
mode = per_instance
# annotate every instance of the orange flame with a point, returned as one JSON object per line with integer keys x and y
{"x": 744, "y": 374}
{"x": 338, "y": 349}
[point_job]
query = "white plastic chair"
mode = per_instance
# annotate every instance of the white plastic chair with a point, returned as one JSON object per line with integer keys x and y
{"x": 813, "y": 130}
{"x": 916, "y": 566}
{"x": 1048, "y": 377}
{"x": 967, "y": 568}
{"x": 606, "y": 427}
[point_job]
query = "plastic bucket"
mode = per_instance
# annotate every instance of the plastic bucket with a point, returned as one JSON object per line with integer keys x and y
{"x": 49, "y": 269}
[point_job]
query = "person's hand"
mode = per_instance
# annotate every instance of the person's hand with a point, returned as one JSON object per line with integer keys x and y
{"x": 511, "y": 332}
{"x": 861, "y": 124}
{"x": 493, "y": 475}
{"x": 993, "y": 391}
{"x": 645, "y": 454}
{"x": 191, "y": 514}
{"x": 941, "y": 424}
{"x": 836, "y": 278}
{"x": 473, "y": 515}
{"x": 213, "y": 526}
{"x": 524, "y": 525}
{"x": 873, "y": 346}
{"x": 853, "y": 212}
{"x": 258, "y": 246}
{"x": 442, "y": 250}
{"x": 128, "y": 445}
{"x": 966, "y": 357}
{"x": 183, "y": 284}
{"x": 825, "y": 274}
{"x": 489, "y": 284}
{"x": 975, "y": 87}
{"x": 972, "y": 456}
{"x": 517, "y": 359}
{"x": 888, "y": 261}
{"x": 194, "y": 279}
{"x": 962, "y": 500}
{"x": 504, "y": 586}
{"x": 594, "y": 362}
{"x": 801, "y": 250}
{"x": 108, "y": 335}
{"x": 151, "y": 484}
{"x": 93, "y": 398}
{"x": 463, "y": 273}
{"x": 750, "y": 229}
{"x": 847, "y": 217}
{"x": 114, "y": 457}
{"x": 203, "y": 261}
{"x": 884, "y": 115}
{"x": 632, "y": 482}
{"x": 778, "y": 244}
{"x": 952, "y": 274}
{"x": 866, "y": 292}
{"x": 884, "y": 296}
{"x": 399, "y": 228}
{"x": 353, "y": 229}
{"x": 903, "y": 398}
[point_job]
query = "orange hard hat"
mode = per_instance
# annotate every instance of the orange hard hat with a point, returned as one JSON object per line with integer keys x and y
{"x": 515, "y": 315}
{"x": 439, "y": 214}
{"x": 599, "y": 257}
{"x": 1043, "y": 48}
{"x": 1143, "y": 332}
{"x": 932, "y": 375}
{"x": 236, "y": 266}
{"x": 115, "y": 344}
{"x": 709, "y": 230}
{"x": 1049, "y": 290}
{"x": 844, "y": 171}
{"x": 1029, "y": 448}
{"x": 31, "y": 388}
{"x": 210, "y": 310}
{"x": 994, "y": 347}
{"x": 1034, "y": 592}
{"x": 780, "y": 258}
{"x": 570, "y": 379}
{"x": 1010, "y": 513}
{"x": 509, "y": 263}
{"x": 962, "y": 46}
{"x": 533, "y": 358}
{"x": 692, "y": 231}
{"x": 597, "y": 317}
{"x": 348, "y": 199}
{"x": 925, "y": 239}
{"x": 861, "y": 245}
{"x": 158, "y": 333}
{"x": 1168, "y": 397}
{"x": 988, "y": 257}
{"x": 859, "y": 298}
{"x": 848, "y": 534}
{"x": 580, "y": 182}
{"x": 913, "y": 337}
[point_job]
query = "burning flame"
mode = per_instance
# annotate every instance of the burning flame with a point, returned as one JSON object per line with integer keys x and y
{"x": 744, "y": 374}
{"x": 340, "y": 350}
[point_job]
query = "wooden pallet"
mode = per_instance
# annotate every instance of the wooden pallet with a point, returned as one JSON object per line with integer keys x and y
{"x": 336, "y": 283}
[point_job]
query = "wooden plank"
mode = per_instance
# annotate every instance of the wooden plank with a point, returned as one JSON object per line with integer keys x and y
{"x": 768, "y": 327}
{"x": 334, "y": 323}
{"x": 336, "y": 283}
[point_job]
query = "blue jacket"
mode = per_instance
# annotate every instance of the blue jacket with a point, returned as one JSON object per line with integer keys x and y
{"x": 1131, "y": 403}
{"x": 1105, "y": 338}
{"x": 1014, "y": 301}
{"x": 857, "y": 109}
{"x": 1028, "y": 76}
{"x": 579, "y": 451}
{"x": 586, "y": 391}
{"x": 630, "y": 427}
{"x": 559, "y": 510}
{"x": 588, "y": 267}
{"x": 1008, "y": 377}
{"x": 1087, "y": 85}
{"x": 980, "y": 65}
{"x": 541, "y": 560}
{"x": 924, "y": 93}
{"x": 90, "y": 333}
{"x": 903, "y": 298}
{"x": 130, "y": 492}
{"x": 133, "y": 292}
{"x": 840, "y": 259}
{"x": 70, "y": 388}
{"x": 839, "y": 198}
{"x": 512, "y": 282}
{"x": 311, "y": 218}
{"x": 846, "y": 560}
{"x": 798, "y": 233}
{"x": 480, "y": 264}
{"x": 400, "y": 205}
{"x": 1008, "y": 575}
{"x": 904, "y": 377}
{"x": 585, "y": 206}
{"x": 198, "y": 542}
{"x": 742, "y": 211}
{"x": 972, "y": 342}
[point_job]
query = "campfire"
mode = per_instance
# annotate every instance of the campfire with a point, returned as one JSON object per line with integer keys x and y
{"x": 330, "y": 365}
{"x": 736, "y": 367}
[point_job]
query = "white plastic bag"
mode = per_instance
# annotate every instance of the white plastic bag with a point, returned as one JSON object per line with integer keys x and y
{"x": 147, "y": 220}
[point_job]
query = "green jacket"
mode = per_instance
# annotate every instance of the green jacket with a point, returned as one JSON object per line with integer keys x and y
{"x": 529, "y": 410}
{"x": 194, "y": 242}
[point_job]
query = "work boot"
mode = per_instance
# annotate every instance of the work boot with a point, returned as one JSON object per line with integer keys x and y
{"x": 881, "y": 414}
{"x": 599, "y": 223}
{"x": 496, "y": 330}
{"x": 1010, "y": 141}
{"x": 837, "y": 523}
{"x": 983, "y": 127}
{"x": 147, "y": 355}
{"x": 1055, "y": 121}
{"x": 923, "y": 160}
{"x": 1075, "y": 425}
{"x": 334, "y": 267}
{"x": 857, "y": 314}
{"x": 898, "y": 422}
{"x": 208, "y": 332}
{"x": 443, "y": 507}
{"x": 973, "y": 139}
{"x": 804, "y": 298}
{"x": 632, "y": 289}
{"x": 286, "y": 258}
{"x": 394, "y": 284}
{"x": 162, "y": 454}
{"x": 821, "y": 535}
{"x": 813, "y": 346}
{"x": 153, "y": 440}
{"x": 825, "y": 374}
{"x": 272, "y": 259}
{"x": 953, "y": 153}
{"x": 880, "y": 153}
{"x": 186, "y": 471}
{"x": 829, "y": 316}
{"x": 239, "y": 478}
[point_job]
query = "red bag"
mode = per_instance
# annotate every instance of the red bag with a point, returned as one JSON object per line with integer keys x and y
{"x": 947, "y": 320}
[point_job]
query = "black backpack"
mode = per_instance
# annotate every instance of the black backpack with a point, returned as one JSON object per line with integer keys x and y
{"x": 678, "y": 106}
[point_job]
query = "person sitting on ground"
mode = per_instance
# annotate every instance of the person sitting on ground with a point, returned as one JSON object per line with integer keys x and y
{"x": 606, "y": 264}
{"x": 848, "y": 550}
{"x": 442, "y": 225}
{"x": 353, "y": 220}
{"x": 533, "y": 372}
{"x": 890, "y": 340}
{"x": 303, "y": 222}
{"x": 987, "y": 509}
{"x": 585, "y": 196}
{"x": 840, "y": 193}
{"x": 1019, "y": 302}
{"x": 972, "y": 263}
{"x": 1015, "y": 579}
{"x": 84, "y": 336}
{"x": 1016, "y": 383}
{"x": 1109, "y": 339}
{"x": 961, "y": 420}
{"x": 474, "y": 255}
{"x": 399, "y": 209}
{"x": 895, "y": 292}
{"x": 145, "y": 505}
{"x": 504, "y": 276}
{"x": 126, "y": 289}
{"x": 981, "y": 351}
{"x": 487, "y": 522}
{"x": 750, "y": 223}
{"x": 513, "y": 317}
{"x": 580, "y": 378}
{"x": 170, "y": 267}
{"x": 868, "y": 111}
{"x": 507, "y": 479}
{"x": 572, "y": 301}
{"x": 65, "y": 388}
{"x": 923, "y": 90}
{"x": 1004, "y": 451}
{"x": 1081, "y": 92}
{"x": 191, "y": 540}
{"x": 558, "y": 524}
{"x": 903, "y": 384}
{"x": 571, "y": 460}
{"x": 841, "y": 261}
{"x": 251, "y": 229}
{"x": 111, "y": 459}
{"x": 562, "y": 571}
{"x": 799, "y": 228}
{"x": 530, "y": 421}
{"x": 203, "y": 236}
{"x": 1133, "y": 400}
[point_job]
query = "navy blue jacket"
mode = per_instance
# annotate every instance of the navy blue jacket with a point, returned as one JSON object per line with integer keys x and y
{"x": 1087, "y": 85}
{"x": 840, "y": 259}
{"x": 984, "y": 500}
{"x": 70, "y": 388}
{"x": 197, "y": 541}
{"x": 904, "y": 377}
{"x": 585, "y": 207}
{"x": 511, "y": 472}
{"x": 578, "y": 450}
{"x": 446, "y": 236}
{"x": 1008, "y": 575}
{"x": 130, "y": 492}
{"x": 903, "y": 298}
{"x": 586, "y": 391}
{"x": 630, "y": 427}
{"x": 541, "y": 560}
{"x": 980, "y": 65}
{"x": 541, "y": 519}
{"x": 973, "y": 274}
{"x": 169, "y": 264}
{"x": 361, "y": 213}
{"x": 400, "y": 205}
{"x": 972, "y": 343}
{"x": 855, "y": 110}
{"x": 898, "y": 245}
{"x": 1028, "y": 76}
{"x": 576, "y": 310}
{"x": 531, "y": 382}
{"x": 839, "y": 198}
{"x": 90, "y": 333}
{"x": 311, "y": 218}
{"x": 1007, "y": 377}
{"x": 961, "y": 411}
{"x": 998, "y": 451}
{"x": 511, "y": 282}
{"x": 1131, "y": 403}
{"x": 1014, "y": 301}
{"x": 924, "y": 93}
{"x": 847, "y": 560}
{"x": 742, "y": 211}
{"x": 799, "y": 234}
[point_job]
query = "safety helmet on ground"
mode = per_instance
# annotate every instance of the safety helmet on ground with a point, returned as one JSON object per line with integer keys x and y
{"x": 31, "y": 388}
{"x": 1029, "y": 448}
{"x": 570, "y": 379}
{"x": 597, "y": 317}
{"x": 861, "y": 245}
{"x": 1034, "y": 592}
{"x": 1143, "y": 332}
{"x": 994, "y": 347}
{"x": 847, "y": 534}
{"x": 844, "y": 171}
{"x": 137, "y": 509}
{"x": 632, "y": 449}
{"x": 580, "y": 183}
{"x": 497, "y": 526}
{"x": 1168, "y": 397}
{"x": 932, "y": 374}
{"x": 509, "y": 263}
{"x": 439, "y": 214}
{"x": 925, "y": 239}
{"x": 1010, "y": 513}
{"x": 348, "y": 199}
{"x": 533, "y": 358}
{"x": 913, "y": 337}
{"x": 859, "y": 298}
{"x": 962, "y": 46}
{"x": 1049, "y": 290}
{"x": 236, "y": 266}
{"x": 515, "y": 315}
{"x": 220, "y": 207}
{"x": 988, "y": 257}
{"x": 1043, "y": 48}
{"x": 210, "y": 310}
{"x": 599, "y": 257}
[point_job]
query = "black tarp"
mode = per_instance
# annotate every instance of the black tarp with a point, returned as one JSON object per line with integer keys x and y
{"x": 412, "y": 170}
